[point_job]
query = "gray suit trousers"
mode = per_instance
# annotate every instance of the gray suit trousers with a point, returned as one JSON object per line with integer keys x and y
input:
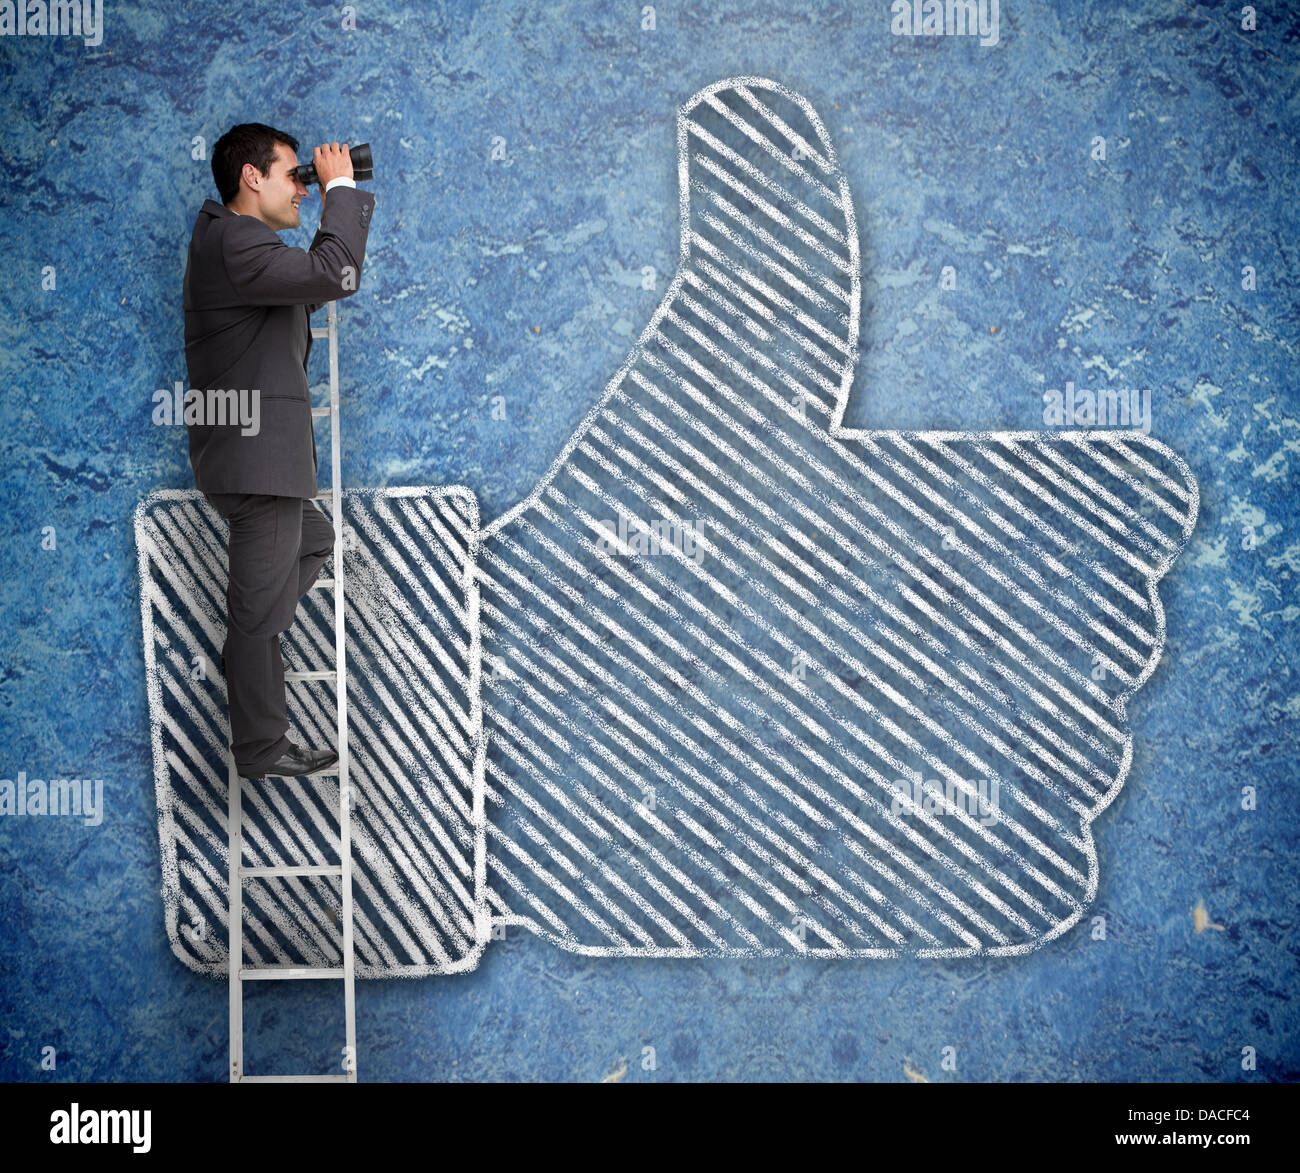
{"x": 276, "y": 548}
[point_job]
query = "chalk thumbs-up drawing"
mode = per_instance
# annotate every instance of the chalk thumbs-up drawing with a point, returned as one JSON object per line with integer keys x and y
{"x": 757, "y": 683}
{"x": 732, "y": 680}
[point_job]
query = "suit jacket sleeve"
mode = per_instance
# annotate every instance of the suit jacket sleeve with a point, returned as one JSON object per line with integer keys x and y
{"x": 313, "y": 306}
{"x": 265, "y": 271}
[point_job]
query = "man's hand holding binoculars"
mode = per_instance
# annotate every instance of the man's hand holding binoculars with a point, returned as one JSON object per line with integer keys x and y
{"x": 331, "y": 161}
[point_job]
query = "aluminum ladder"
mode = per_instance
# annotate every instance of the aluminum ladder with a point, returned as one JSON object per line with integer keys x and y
{"x": 239, "y": 972}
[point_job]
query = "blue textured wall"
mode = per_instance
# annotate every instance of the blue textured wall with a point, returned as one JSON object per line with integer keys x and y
{"x": 522, "y": 277}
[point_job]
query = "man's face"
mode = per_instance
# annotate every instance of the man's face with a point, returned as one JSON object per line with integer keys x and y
{"x": 280, "y": 193}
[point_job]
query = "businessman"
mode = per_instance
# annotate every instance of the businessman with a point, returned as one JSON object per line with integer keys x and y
{"x": 248, "y": 297}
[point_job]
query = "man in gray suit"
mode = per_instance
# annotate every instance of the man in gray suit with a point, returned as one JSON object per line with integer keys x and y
{"x": 247, "y": 300}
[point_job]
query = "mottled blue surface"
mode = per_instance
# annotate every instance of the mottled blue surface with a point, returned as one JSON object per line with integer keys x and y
{"x": 522, "y": 278}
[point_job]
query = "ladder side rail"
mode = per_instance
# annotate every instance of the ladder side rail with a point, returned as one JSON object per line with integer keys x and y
{"x": 341, "y": 691}
{"x": 235, "y": 920}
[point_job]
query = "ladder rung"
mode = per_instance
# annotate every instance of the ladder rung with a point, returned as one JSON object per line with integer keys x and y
{"x": 315, "y": 674}
{"x": 323, "y": 584}
{"x": 320, "y": 331}
{"x": 331, "y": 772}
{"x": 260, "y": 972}
{"x": 327, "y": 495}
{"x": 320, "y": 412}
{"x": 331, "y": 1078}
{"x": 326, "y": 869}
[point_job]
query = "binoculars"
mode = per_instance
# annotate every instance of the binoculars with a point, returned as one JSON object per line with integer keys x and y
{"x": 363, "y": 166}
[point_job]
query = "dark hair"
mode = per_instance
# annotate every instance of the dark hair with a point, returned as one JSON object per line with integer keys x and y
{"x": 249, "y": 142}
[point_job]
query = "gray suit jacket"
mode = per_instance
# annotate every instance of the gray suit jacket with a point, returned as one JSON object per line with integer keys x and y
{"x": 247, "y": 300}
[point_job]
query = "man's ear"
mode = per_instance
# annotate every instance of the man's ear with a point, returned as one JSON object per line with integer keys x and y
{"x": 251, "y": 176}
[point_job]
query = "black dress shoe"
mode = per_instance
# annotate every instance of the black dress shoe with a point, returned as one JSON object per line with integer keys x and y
{"x": 296, "y": 760}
